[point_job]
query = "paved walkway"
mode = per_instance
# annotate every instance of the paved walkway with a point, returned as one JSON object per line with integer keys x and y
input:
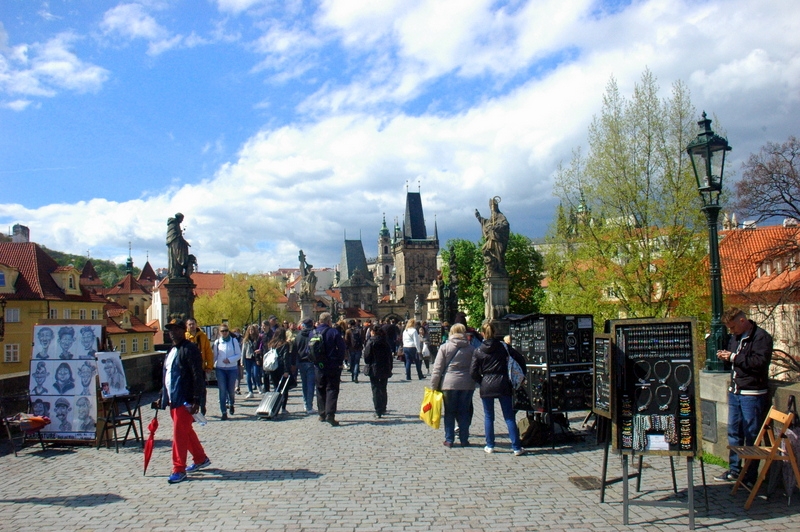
{"x": 367, "y": 474}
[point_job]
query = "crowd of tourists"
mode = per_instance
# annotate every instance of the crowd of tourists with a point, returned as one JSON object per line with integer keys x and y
{"x": 279, "y": 357}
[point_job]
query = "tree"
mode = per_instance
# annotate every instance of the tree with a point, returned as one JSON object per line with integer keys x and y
{"x": 637, "y": 241}
{"x": 524, "y": 265}
{"x": 233, "y": 304}
{"x": 770, "y": 184}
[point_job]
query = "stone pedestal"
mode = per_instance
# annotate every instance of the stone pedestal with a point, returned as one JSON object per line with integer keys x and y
{"x": 180, "y": 291}
{"x": 495, "y": 292}
{"x": 714, "y": 404}
{"x": 307, "y": 310}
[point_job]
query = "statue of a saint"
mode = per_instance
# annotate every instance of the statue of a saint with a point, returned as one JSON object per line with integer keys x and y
{"x": 496, "y": 233}
{"x": 417, "y": 306}
{"x": 180, "y": 262}
{"x": 309, "y": 282}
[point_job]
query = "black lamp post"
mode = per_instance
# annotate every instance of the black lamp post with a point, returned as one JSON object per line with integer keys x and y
{"x": 707, "y": 152}
{"x": 251, "y": 293}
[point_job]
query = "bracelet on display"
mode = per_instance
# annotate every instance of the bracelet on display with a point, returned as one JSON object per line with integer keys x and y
{"x": 641, "y": 370}
{"x": 663, "y": 397}
{"x": 662, "y": 370}
{"x": 683, "y": 376}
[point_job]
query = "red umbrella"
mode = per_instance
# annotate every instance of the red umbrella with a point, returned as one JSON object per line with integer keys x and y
{"x": 151, "y": 441}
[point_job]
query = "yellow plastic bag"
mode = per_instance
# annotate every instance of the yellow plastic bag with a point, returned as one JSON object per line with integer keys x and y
{"x": 431, "y": 410}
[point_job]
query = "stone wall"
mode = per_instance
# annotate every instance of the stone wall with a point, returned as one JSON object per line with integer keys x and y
{"x": 714, "y": 397}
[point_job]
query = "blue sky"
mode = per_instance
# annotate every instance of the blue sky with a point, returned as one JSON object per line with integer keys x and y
{"x": 275, "y": 126}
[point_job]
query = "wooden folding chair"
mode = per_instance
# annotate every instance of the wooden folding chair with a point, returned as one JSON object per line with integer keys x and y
{"x": 771, "y": 445}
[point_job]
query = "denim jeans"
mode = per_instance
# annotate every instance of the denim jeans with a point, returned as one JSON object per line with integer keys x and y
{"x": 457, "y": 405}
{"x": 252, "y": 377}
{"x": 411, "y": 356}
{"x": 226, "y": 381}
{"x": 506, "y": 404}
{"x": 745, "y": 416}
{"x": 309, "y": 378}
{"x": 355, "y": 360}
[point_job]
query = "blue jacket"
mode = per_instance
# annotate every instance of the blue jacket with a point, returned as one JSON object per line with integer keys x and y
{"x": 188, "y": 383}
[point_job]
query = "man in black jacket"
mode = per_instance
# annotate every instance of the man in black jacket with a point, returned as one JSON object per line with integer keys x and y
{"x": 749, "y": 353}
{"x": 184, "y": 387}
{"x": 329, "y": 375}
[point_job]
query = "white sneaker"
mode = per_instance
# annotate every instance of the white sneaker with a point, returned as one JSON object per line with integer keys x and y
{"x": 488, "y": 450}
{"x": 310, "y": 411}
{"x": 249, "y": 395}
{"x": 519, "y": 452}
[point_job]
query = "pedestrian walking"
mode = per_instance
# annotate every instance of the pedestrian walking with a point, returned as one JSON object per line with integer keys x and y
{"x": 226, "y": 363}
{"x": 452, "y": 375}
{"x": 412, "y": 349}
{"x": 354, "y": 340}
{"x": 199, "y": 338}
{"x": 252, "y": 368}
{"x": 380, "y": 358}
{"x": 184, "y": 386}
{"x": 286, "y": 365}
{"x": 305, "y": 367}
{"x": 490, "y": 370}
{"x": 329, "y": 370}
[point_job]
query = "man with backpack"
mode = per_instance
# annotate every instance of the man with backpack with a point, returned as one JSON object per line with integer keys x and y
{"x": 328, "y": 365}
{"x": 305, "y": 366}
{"x": 354, "y": 341}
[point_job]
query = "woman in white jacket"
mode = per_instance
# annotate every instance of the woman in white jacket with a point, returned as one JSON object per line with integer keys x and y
{"x": 412, "y": 347}
{"x": 226, "y": 363}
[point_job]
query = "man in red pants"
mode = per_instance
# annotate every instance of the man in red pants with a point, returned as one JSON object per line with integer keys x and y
{"x": 184, "y": 387}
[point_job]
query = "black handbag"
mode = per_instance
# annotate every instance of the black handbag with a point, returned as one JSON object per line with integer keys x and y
{"x": 367, "y": 370}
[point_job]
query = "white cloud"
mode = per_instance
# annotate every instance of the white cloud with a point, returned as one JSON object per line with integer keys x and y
{"x": 132, "y": 21}
{"x": 17, "y": 105}
{"x": 237, "y": 6}
{"x": 42, "y": 69}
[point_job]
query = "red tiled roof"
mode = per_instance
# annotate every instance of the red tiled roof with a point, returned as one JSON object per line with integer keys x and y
{"x": 358, "y": 313}
{"x": 35, "y": 267}
{"x": 128, "y": 285}
{"x": 89, "y": 277}
{"x": 741, "y": 252}
{"x": 206, "y": 284}
{"x": 114, "y": 311}
{"x": 147, "y": 274}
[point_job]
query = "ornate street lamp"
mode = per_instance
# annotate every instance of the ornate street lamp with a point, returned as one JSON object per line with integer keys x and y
{"x": 707, "y": 152}
{"x": 251, "y": 293}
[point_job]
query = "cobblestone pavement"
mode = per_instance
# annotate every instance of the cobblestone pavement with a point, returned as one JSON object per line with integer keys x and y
{"x": 368, "y": 474}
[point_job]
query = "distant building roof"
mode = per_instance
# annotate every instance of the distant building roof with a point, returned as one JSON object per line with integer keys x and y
{"x": 353, "y": 258}
{"x": 414, "y": 222}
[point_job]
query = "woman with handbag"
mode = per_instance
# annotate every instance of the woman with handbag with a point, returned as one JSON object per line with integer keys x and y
{"x": 451, "y": 375}
{"x": 286, "y": 366}
{"x": 412, "y": 347}
{"x": 378, "y": 363}
{"x": 490, "y": 370}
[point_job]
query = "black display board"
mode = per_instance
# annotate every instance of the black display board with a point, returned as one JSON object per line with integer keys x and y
{"x": 603, "y": 391}
{"x": 558, "y": 352}
{"x": 434, "y": 336}
{"x": 656, "y": 398}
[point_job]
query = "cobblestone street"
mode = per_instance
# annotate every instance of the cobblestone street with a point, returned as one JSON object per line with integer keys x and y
{"x": 368, "y": 474}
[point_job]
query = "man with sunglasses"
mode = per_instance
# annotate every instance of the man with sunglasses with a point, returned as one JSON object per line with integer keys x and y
{"x": 226, "y": 363}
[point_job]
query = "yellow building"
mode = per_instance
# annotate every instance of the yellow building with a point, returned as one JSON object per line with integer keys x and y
{"x": 35, "y": 290}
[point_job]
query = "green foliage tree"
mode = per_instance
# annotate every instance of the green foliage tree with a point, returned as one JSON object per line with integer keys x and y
{"x": 108, "y": 272}
{"x": 232, "y": 303}
{"x": 524, "y": 265}
{"x": 637, "y": 244}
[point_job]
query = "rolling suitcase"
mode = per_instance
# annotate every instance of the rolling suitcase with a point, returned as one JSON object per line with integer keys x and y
{"x": 270, "y": 404}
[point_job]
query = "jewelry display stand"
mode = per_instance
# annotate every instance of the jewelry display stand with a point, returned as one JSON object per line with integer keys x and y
{"x": 653, "y": 399}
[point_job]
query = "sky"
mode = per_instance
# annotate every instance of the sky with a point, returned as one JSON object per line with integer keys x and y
{"x": 275, "y": 126}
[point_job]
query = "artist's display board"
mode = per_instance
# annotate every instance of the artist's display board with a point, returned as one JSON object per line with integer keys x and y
{"x": 66, "y": 392}
{"x": 656, "y": 396}
{"x": 603, "y": 391}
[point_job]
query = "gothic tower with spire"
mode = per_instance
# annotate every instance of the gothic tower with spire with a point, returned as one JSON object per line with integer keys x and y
{"x": 384, "y": 264}
{"x": 414, "y": 256}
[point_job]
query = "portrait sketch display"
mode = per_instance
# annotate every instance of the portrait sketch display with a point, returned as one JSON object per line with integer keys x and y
{"x": 112, "y": 376}
{"x": 66, "y": 341}
{"x": 66, "y": 392}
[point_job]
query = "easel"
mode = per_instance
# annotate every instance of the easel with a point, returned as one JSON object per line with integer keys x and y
{"x": 604, "y": 432}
